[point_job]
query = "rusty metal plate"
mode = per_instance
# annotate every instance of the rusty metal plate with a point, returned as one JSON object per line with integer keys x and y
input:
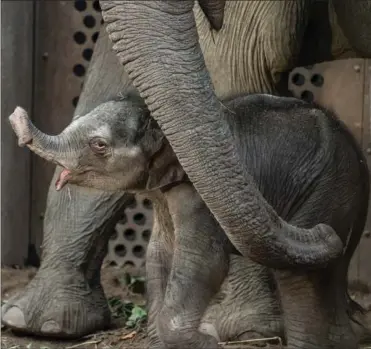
{"x": 337, "y": 85}
{"x": 364, "y": 250}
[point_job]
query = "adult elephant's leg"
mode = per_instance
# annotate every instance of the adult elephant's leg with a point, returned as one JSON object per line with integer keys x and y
{"x": 66, "y": 298}
{"x": 247, "y": 306}
{"x": 241, "y": 61}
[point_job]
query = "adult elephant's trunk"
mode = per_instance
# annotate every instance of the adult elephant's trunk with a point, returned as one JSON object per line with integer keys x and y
{"x": 51, "y": 148}
{"x": 157, "y": 42}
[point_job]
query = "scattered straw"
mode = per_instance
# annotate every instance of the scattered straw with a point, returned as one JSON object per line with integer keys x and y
{"x": 250, "y": 342}
{"x": 83, "y": 344}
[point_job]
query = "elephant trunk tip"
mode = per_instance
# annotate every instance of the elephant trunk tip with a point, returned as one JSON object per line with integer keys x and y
{"x": 20, "y": 123}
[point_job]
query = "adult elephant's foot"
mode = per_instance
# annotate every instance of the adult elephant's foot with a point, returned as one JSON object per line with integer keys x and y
{"x": 58, "y": 304}
{"x": 65, "y": 299}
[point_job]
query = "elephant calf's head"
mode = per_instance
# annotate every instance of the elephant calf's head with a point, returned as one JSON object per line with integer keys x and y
{"x": 117, "y": 146}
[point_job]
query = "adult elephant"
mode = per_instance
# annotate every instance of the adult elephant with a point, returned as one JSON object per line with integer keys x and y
{"x": 259, "y": 44}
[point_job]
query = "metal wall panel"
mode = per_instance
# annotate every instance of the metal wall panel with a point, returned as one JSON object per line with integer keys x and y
{"x": 363, "y": 257}
{"x": 17, "y": 23}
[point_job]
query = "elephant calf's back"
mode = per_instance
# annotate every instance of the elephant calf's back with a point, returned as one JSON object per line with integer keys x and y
{"x": 305, "y": 162}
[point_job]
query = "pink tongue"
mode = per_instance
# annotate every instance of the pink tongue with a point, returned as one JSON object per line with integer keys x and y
{"x": 62, "y": 179}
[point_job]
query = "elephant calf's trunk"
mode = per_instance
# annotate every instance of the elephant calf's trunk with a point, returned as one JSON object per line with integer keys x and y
{"x": 50, "y": 148}
{"x": 21, "y": 125}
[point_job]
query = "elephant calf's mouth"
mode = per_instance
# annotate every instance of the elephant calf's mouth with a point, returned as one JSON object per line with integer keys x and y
{"x": 62, "y": 180}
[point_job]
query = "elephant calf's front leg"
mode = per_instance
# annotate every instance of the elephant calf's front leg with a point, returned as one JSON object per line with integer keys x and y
{"x": 158, "y": 261}
{"x": 200, "y": 265}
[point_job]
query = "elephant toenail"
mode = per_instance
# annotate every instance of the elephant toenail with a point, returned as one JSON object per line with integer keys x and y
{"x": 14, "y": 318}
{"x": 50, "y": 327}
{"x": 209, "y": 329}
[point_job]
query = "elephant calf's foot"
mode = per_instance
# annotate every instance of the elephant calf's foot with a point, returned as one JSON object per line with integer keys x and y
{"x": 175, "y": 337}
{"x": 63, "y": 307}
{"x": 193, "y": 340}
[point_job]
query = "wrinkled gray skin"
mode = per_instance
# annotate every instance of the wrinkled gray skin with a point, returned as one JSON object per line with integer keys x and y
{"x": 305, "y": 163}
{"x": 282, "y": 35}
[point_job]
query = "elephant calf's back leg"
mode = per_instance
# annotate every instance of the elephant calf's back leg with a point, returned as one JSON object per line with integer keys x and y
{"x": 315, "y": 313}
{"x": 248, "y": 305}
{"x": 315, "y": 303}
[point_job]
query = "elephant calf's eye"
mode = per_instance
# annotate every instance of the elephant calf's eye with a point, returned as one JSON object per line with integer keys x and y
{"x": 99, "y": 146}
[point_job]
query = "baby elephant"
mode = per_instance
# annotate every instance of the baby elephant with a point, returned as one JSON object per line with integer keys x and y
{"x": 307, "y": 166}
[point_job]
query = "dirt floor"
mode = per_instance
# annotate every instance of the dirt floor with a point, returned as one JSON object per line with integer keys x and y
{"x": 118, "y": 292}
{"x": 14, "y": 280}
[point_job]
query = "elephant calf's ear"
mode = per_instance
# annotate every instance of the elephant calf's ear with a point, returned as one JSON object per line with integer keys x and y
{"x": 153, "y": 141}
{"x": 161, "y": 178}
